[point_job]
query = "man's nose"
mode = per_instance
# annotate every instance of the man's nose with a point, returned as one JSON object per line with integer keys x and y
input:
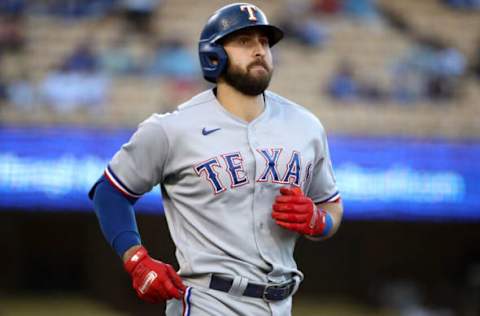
{"x": 259, "y": 49}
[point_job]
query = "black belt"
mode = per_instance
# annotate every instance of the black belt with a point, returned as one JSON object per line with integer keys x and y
{"x": 269, "y": 292}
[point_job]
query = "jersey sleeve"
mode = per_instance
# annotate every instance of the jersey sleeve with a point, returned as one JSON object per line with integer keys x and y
{"x": 323, "y": 186}
{"x": 138, "y": 166}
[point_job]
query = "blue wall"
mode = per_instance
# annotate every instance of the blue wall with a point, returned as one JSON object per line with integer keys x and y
{"x": 48, "y": 169}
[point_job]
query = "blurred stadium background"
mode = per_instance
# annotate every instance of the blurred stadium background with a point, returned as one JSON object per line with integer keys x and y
{"x": 395, "y": 82}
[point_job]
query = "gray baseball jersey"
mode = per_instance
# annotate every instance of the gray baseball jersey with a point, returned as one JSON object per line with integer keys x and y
{"x": 219, "y": 176}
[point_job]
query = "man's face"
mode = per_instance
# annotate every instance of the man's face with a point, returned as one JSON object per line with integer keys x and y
{"x": 250, "y": 66}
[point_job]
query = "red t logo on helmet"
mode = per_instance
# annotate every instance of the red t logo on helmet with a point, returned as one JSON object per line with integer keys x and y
{"x": 251, "y": 11}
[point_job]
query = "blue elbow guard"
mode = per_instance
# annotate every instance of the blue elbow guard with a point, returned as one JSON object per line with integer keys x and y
{"x": 116, "y": 216}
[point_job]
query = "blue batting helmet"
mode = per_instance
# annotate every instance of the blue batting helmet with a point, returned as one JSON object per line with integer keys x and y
{"x": 225, "y": 21}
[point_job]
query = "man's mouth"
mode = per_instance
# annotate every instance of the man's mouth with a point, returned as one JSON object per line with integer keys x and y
{"x": 258, "y": 65}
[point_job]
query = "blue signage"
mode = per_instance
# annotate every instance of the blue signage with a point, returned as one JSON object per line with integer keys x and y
{"x": 410, "y": 179}
{"x": 50, "y": 169}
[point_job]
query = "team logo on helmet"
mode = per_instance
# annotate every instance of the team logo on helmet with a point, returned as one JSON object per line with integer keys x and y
{"x": 226, "y": 24}
{"x": 251, "y": 9}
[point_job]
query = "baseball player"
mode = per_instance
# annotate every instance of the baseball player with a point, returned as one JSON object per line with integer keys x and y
{"x": 244, "y": 173}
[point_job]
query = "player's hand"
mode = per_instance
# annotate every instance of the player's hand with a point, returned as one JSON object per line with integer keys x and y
{"x": 153, "y": 280}
{"x": 295, "y": 211}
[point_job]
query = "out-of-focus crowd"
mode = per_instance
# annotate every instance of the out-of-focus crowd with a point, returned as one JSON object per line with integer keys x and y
{"x": 432, "y": 69}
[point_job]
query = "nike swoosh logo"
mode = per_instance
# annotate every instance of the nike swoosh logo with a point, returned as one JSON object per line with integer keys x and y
{"x": 205, "y": 132}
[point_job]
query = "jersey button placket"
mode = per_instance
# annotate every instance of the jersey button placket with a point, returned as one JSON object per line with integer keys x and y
{"x": 258, "y": 226}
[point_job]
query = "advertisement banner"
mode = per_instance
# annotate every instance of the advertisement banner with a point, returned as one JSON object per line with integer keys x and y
{"x": 52, "y": 169}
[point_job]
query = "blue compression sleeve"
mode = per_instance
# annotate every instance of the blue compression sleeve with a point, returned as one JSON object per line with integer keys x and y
{"x": 116, "y": 216}
{"x": 328, "y": 225}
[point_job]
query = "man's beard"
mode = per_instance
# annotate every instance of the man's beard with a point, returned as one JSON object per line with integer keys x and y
{"x": 247, "y": 83}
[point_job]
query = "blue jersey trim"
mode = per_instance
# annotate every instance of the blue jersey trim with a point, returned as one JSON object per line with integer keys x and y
{"x": 118, "y": 184}
{"x": 331, "y": 198}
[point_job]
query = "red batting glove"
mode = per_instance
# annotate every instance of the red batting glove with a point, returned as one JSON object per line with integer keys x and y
{"x": 153, "y": 280}
{"x": 295, "y": 211}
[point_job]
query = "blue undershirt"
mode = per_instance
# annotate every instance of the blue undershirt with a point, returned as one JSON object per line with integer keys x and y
{"x": 328, "y": 225}
{"x": 116, "y": 216}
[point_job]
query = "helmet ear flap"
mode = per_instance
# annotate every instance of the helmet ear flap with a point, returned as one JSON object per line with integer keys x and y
{"x": 213, "y": 60}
